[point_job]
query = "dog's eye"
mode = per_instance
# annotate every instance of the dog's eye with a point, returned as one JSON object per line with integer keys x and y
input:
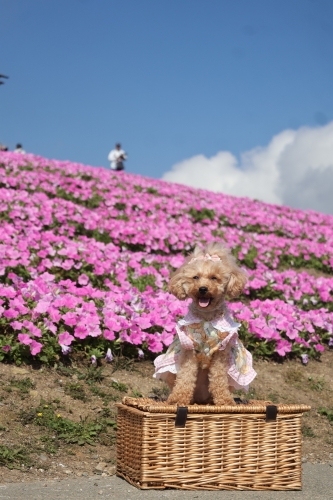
{"x": 195, "y": 277}
{"x": 214, "y": 278}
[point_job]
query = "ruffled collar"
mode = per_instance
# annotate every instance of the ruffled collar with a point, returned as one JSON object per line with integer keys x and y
{"x": 223, "y": 323}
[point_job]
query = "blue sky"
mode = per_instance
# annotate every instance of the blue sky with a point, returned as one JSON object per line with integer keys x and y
{"x": 169, "y": 79}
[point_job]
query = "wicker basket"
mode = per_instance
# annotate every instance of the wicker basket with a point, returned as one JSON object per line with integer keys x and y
{"x": 256, "y": 446}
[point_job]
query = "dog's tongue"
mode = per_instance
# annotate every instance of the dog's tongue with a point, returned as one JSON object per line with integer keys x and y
{"x": 203, "y": 302}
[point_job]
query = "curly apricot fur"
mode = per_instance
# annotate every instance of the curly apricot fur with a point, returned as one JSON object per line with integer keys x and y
{"x": 222, "y": 278}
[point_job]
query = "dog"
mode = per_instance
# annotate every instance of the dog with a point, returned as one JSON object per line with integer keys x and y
{"x": 206, "y": 361}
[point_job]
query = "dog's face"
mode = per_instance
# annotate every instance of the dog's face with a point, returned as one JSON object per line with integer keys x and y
{"x": 208, "y": 282}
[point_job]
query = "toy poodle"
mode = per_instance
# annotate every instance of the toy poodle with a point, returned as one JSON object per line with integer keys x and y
{"x": 206, "y": 361}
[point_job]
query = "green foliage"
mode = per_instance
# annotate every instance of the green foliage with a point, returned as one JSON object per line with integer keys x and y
{"x": 248, "y": 259}
{"x": 93, "y": 202}
{"x": 273, "y": 396}
{"x": 203, "y": 214}
{"x": 98, "y": 392}
{"x": 326, "y": 413}
{"x": 136, "y": 393}
{"x": 24, "y": 384}
{"x": 13, "y": 458}
{"x": 141, "y": 282}
{"x": 86, "y": 177}
{"x": 19, "y": 270}
{"x": 307, "y": 431}
{"x": 262, "y": 349}
{"x": 313, "y": 262}
{"x": 92, "y": 375}
{"x": 119, "y": 386}
{"x": 316, "y": 384}
{"x": 161, "y": 392}
{"x": 66, "y": 371}
{"x": 268, "y": 292}
{"x": 19, "y": 353}
{"x": 151, "y": 190}
{"x": 86, "y": 431}
{"x": 122, "y": 363}
{"x": 27, "y": 168}
{"x": 76, "y": 391}
{"x": 120, "y": 206}
{"x": 98, "y": 235}
{"x": 50, "y": 444}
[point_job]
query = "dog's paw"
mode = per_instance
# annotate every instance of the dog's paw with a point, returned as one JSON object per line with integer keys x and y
{"x": 224, "y": 402}
{"x": 178, "y": 401}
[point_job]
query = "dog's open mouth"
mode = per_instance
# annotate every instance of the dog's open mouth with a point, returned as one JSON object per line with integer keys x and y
{"x": 204, "y": 301}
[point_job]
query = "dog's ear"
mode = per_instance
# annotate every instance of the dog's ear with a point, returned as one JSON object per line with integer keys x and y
{"x": 237, "y": 282}
{"x": 176, "y": 285}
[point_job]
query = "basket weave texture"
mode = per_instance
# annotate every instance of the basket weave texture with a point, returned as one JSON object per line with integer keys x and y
{"x": 220, "y": 447}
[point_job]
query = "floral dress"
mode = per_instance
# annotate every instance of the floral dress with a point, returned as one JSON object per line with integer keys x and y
{"x": 207, "y": 337}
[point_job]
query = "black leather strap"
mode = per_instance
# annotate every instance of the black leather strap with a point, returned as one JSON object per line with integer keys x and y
{"x": 271, "y": 412}
{"x": 240, "y": 401}
{"x": 181, "y": 416}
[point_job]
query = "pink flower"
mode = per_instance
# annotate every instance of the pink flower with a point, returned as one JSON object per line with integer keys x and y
{"x": 143, "y": 322}
{"x": 24, "y": 338}
{"x": 83, "y": 279}
{"x": 109, "y": 335}
{"x": 112, "y": 324}
{"x": 166, "y": 337}
{"x": 67, "y": 264}
{"x": 81, "y": 332}
{"x": 245, "y": 314}
{"x": 282, "y": 347}
{"x": 54, "y": 314}
{"x": 319, "y": 348}
{"x": 70, "y": 318}
{"x": 42, "y": 306}
{"x": 136, "y": 336}
{"x": 17, "y": 325}
{"x": 50, "y": 326}
{"x": 292, "y": 333}
{"x": 154, "y": 343}
{"x": 36, "y": 332}
{"x": 11, "y": 313}
{"x": 35, "y": 347}
{"x": 65, "y": 338}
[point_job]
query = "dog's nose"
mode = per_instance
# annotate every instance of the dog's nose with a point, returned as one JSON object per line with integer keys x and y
{"x": 203, "y": 290}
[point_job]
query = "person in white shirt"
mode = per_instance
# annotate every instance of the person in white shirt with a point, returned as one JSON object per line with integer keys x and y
{"x": 117, "y": 157}
{"x": 19, "y": 149}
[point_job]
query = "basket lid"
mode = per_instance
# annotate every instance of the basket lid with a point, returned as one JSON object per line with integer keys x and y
{"x": 250, "y": 406}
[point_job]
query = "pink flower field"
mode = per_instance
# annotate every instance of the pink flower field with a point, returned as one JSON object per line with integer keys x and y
{"x": 86, "y": 254}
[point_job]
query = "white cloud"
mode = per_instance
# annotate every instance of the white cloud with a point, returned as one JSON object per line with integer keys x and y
{"x": 295, "y": 169}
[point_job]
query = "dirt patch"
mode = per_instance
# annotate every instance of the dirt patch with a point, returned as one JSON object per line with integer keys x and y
{"x": 60, "y": 422}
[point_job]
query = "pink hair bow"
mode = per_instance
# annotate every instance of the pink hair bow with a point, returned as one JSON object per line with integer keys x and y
{"x": 214, "y": 258}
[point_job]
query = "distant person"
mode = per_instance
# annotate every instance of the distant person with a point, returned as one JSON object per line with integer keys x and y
{"x": 19, "y": 149}
{"x": 3, "y": 147}
{"x": 117, "y": 157}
